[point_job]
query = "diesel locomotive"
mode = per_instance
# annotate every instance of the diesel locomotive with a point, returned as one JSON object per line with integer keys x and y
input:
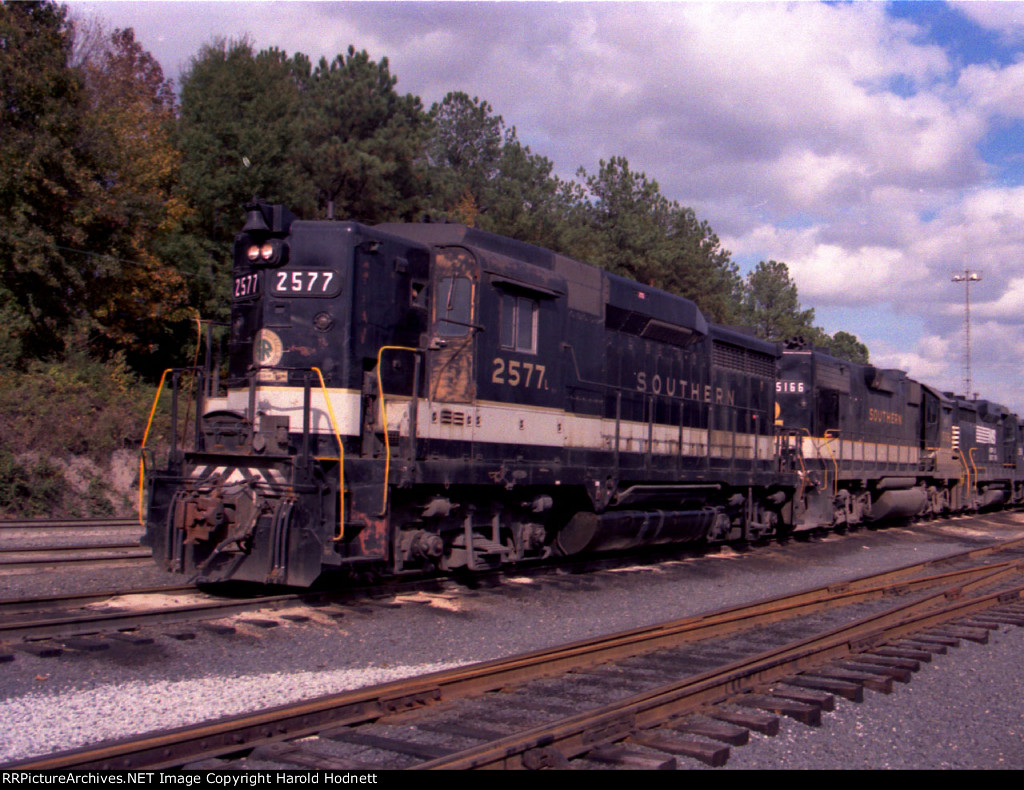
{"x": 407, "y": 398}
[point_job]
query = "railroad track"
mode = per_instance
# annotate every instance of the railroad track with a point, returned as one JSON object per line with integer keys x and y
{"x": 65, "y": 523}
{"x": 692, "y": 687}
{"x": 41, "y": 543}
{"x": 56, "y": 617}
{"x": 36, "y": 557}
{"x": 112, "y": 610}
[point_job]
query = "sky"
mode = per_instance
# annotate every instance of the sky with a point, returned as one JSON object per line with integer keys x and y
{"x": 875, "y": 148}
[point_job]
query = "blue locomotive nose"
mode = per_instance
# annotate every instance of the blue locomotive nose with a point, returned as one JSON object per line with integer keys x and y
{"x": 291, "y": 305}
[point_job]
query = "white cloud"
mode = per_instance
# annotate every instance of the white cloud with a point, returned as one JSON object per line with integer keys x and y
{"x": 1009, "y": 305}
{"x": 833, "y": 137}
{"x": 994, "y": 90}
{"x": 932, "y": 359}
{"x": 842, "y": 276}
{"x": 1004, "y": 18}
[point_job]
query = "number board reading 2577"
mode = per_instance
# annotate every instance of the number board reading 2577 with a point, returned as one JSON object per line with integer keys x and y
{"x": 247, "y": 286}
{"x": 322, "y": 282}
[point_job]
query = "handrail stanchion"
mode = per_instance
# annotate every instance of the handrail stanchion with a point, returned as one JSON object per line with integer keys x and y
{"x": 306, "y": 411}
{"x": 384, "y": 420}
{"x": 200, "y": 404}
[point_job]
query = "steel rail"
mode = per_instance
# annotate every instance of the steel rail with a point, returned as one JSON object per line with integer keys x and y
{"x": 7, "y": 554}
{"x": 175, "y": 747}
{"x": 41, "y": 558}
{"x": 56, "y": 562}
{"x": 49, "y": 523}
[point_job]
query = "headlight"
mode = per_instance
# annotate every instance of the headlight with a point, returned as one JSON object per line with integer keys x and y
{"x": 269, "y": 253}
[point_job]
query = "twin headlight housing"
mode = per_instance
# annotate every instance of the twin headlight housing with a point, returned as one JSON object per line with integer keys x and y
{"x": 269, "y": 253}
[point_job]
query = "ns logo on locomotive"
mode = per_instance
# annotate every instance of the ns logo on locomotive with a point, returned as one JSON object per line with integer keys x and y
{"x": 416, "y": 397}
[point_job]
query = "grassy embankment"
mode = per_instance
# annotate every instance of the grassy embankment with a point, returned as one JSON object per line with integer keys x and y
{"x": 70, "y": 436}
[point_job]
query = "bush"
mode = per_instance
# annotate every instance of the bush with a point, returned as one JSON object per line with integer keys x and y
{"x": 60, "y": 426}
{"x": 31, "y": 489}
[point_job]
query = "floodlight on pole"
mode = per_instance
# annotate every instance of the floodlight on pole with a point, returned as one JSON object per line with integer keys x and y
{"x": 967, "y": 277}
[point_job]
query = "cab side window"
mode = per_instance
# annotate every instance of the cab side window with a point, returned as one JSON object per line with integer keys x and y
{"x": 518, "y": 323}
{"x": 454, "y": 306}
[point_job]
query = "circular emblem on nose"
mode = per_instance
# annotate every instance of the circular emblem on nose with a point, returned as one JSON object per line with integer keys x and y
{"x": 267, "y": 348}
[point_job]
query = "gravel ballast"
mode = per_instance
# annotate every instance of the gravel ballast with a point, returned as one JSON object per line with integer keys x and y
{"x": 96, "y": 714}
{"x": 964, "y": 710}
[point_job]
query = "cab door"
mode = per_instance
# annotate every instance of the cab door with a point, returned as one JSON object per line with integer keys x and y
{"x": 452, "y": 359}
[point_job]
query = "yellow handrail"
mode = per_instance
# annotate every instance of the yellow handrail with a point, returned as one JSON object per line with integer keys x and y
{"x": 145, "y": 437}
{"x": 334, "y": 428}
{"x": 341, "y": 458}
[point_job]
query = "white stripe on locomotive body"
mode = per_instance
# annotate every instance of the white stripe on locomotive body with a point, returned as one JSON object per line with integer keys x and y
{"x": 288, "y": 402}
{"x": 503, "y": 423}
{"x": 500, "y": 423}
{"x": 831, "y": 450}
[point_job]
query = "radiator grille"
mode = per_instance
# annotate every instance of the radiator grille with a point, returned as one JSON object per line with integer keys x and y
{"x": 753, "y": 363}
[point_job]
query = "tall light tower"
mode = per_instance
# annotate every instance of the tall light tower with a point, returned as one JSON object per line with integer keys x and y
{"x": 967, "y": 277}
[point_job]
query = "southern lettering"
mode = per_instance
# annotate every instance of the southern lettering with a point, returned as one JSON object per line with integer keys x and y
{"x": 681, "y": 388}
{"x": 887, "y": 417}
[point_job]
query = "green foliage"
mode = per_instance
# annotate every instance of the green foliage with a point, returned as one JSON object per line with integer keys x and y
{"x": 483, "y": 176}
{"x": 465, "y": 150}
{"x": 87, "y": 189}
{"x": 15, "y": 327}
{"x": 844, "y": 346}
{"x": 622, "y": 222}
{"x": 362, "y": 143}
{"x": 527, "y": 201}
{"x": 76, "y": 407}
{"x": 771, "y": 306}
{"x": 132, "y": 291}
{"x": 78, "y": 413}
{"x": 269, "y": 125}
{"x": 29, "y": 489}
{"x": 237, "y": 131}
{"x": 96, "y": 500}
{"x": 44, "y": 180}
